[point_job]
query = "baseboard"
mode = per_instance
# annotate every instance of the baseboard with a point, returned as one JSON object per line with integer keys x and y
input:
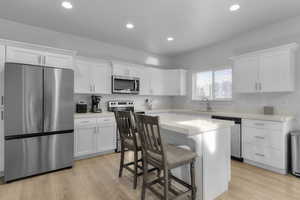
{"x": 273, "y": 169}
{"x": 94, "y": 155}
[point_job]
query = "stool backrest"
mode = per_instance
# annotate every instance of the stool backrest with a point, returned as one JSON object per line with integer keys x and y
{"x": 126, "y": 125}
{"x": 149, "y": 132}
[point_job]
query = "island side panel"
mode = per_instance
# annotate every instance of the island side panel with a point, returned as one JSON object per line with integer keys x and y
{"x": 216, "y": 162}
{"x": 179, "y": 139}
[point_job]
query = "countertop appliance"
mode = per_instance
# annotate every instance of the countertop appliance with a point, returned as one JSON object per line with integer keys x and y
{"x": 38, "y": 120}
{"x": 96, "y": 104}
{"x": 81, "y": 107}
{"x": 113, "y": 106}
{"x": 236, "y": 136}
{"x": 125, "y": 85}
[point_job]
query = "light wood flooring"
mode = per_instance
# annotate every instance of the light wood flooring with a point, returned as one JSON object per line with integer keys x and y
{"x": 96, "y": 179}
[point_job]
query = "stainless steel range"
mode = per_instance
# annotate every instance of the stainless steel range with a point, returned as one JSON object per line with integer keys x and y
{"x": 38, "y": 119}
{"x": 113, "y": 106}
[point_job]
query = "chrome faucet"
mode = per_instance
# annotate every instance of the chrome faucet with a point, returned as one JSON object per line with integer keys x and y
{"x": 208, "y": 107}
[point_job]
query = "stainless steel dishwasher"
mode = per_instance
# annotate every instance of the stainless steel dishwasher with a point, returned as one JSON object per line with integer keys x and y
{"x": 236, "y": 136}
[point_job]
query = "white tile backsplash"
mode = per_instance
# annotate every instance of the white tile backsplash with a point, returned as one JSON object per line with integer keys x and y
{"x": 159, "y": 102}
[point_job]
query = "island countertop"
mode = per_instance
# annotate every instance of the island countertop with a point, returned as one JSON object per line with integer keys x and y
{"x": 191, "y": 125}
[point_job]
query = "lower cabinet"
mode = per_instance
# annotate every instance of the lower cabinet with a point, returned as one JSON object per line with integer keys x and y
{"x": 265, "y": 144}
{"x": 94, "y": 136}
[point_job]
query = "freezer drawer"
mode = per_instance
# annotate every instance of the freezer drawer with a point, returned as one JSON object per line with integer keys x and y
{"x": 35, "y": 155}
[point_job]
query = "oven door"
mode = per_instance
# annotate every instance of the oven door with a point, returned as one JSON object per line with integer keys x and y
{"x": 125, "y": 85}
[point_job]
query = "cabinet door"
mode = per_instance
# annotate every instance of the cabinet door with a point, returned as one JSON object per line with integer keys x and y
{"x": 20, "y": 55}
{"x": 2, "y": 62}
{"x": 106, "y": 138}
{"x": 100, "y": 75}
{"x": 121, "y": 69}
{"x": 171, "y": 82}
{"x": 58, "y": 60}
{"x": 276, "y": 74}
{"x": 85, "y": 140}
{"x": 245, "y": 74}
{"x": 157, "y": 81}
{"x": 82, "y": 77}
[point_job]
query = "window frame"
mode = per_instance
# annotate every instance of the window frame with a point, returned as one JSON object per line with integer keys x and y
{"x": 213, "y": 98}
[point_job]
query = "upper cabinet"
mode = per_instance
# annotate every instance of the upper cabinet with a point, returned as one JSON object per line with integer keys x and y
{"x": 270, "y": 70}
{"x": 92, "y": 76}
{"x": 39, "y": 57}
{"x": 59, "y": 60}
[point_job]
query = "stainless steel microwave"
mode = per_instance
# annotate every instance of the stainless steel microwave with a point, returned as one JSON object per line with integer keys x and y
{"x": 125, "y": 85}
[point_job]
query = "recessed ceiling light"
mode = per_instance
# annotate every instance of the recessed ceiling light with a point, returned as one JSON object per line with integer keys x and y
{"x": 234, "y": 7}
{"x": 67, "y": 5}
{"x": 170, "y": 39}
{"x": 129, "y": 25}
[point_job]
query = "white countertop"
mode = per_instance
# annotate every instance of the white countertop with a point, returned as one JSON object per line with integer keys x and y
{"x": 191, "y": 125}
{"x": 93, "y": 115}
{"x": 278, "y": 118}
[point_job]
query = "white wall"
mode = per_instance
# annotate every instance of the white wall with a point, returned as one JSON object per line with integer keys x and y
{"x": 217, "y": 55}
{"x": 85, "y": 47}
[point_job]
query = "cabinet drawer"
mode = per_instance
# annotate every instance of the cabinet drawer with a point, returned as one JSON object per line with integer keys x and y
{"x": 263, "y": 124}
{"x": 106, "y": 121}
{"x": 264, "y": 155}
{"x": 85, "y": 122}
{"x": 265, "y": 137}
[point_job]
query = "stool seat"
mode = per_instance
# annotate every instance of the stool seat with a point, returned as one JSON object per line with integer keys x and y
{"x": 129, "y": 143}
{"x": 176, "y": 156}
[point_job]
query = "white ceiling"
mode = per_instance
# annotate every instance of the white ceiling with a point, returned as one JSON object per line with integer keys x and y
{"x": 193, "y": 23}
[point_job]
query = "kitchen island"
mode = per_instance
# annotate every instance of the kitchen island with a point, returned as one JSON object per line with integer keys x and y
{"x": 211, "y": 140}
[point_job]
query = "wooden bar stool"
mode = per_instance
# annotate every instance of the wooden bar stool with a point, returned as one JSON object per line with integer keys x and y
{"x": 129, "y": 142}
{"x": 165, "y": 157}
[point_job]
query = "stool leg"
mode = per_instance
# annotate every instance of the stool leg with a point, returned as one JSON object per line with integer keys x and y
{"x": 192, "y": 168}
{"x": 121, "y": 161}
{"x": 166, "y": 184}
{"x": 145, "y": 175}
{"x": 135, "y": 168}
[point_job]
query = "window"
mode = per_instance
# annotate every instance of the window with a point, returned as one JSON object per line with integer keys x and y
{"x": 214, "y": 85}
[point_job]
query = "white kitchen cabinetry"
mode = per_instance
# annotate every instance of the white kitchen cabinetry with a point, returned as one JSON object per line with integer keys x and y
{"x": 125, "y": 69}
{"x": 22, "y": 55}
{"x": 265, "y": 144}
{"x": 92, "y": 77}
{"x": 106, "y": 135}
{"x": 85, "y": 130}
{"x": 94, "y": 136}
{"x": 38, "y": 57}
{"x": 58, "y": 60}
{"x": 270, "y": 70}
{"x": 174, "y": 82}
{"x": 167, "y": 82}
{"x": 245, "y": 74}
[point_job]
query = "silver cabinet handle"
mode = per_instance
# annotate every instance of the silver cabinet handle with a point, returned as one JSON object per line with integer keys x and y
{"x": 260, "y": 137}
{"x": 2, "y": 115}
{"x": 259, "y": 154}
{"x": 2, "y": 100}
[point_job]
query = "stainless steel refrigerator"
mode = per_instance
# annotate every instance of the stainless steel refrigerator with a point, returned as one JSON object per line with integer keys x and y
{"x": 38, "y": 119}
